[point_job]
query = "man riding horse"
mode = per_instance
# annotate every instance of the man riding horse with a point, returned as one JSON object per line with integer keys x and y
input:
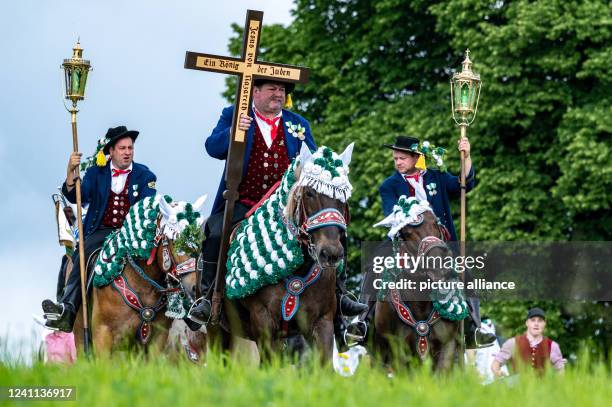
{"x": 273, "y": 140}
{"x": 110, "y": 189}
{"x": 413, "y": 179}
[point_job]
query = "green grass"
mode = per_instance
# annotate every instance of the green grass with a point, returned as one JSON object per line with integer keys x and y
{"x": 133, "y": 381}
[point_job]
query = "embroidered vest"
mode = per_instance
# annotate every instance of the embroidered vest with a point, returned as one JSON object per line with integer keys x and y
{"x": 266, "y": 166}
{"x": 117, "y": 207}
{"x": 537, "y": 357}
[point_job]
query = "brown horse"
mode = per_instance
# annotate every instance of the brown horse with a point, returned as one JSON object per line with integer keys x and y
{"x": 130, "y": 310}
{"x": 271, "y": 315}
{"x": 414, "y": 327}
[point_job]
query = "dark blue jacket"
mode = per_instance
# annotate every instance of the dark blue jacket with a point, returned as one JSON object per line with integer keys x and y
{"x": 447, "y": 186}
{"x": 96, "y": 187}
{"x": 217, "y": 144}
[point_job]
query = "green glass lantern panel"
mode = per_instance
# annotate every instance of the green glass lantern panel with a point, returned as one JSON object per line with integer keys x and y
{"x": 457, "y": 94}
{"x": 465, "y": 93}
{"x": 473, "y": 95}
{"x": 75, "y": 82}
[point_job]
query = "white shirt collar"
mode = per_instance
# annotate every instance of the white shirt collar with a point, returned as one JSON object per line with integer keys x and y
{"x": 115, "y": 168}
{"x": 280, "y": 114}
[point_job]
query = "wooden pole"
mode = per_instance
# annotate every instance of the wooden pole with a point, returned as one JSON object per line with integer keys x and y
{"x": 462, "y": 239}
{"x": 77, "y": 173}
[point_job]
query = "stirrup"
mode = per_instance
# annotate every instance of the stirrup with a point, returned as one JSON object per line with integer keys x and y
{"x": 354, "y": 334}
{"x": 41, "y": 321}
{"x": 194, "y": 305}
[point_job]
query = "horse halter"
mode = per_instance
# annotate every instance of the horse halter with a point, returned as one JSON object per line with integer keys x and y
{"x": 169, "y": 265}
{"x": 324, "y": 218}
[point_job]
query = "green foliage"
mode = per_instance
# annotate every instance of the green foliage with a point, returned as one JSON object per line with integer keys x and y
{"x": 540, "y": 143}
{"x": 190, "y": 240}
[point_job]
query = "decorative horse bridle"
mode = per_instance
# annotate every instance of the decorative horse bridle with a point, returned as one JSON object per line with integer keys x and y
{"x": 421, "y": 328}
{"x": 295, "y": 285}
{"x": 323, "y": 218}
{"x": 174, "y": 273}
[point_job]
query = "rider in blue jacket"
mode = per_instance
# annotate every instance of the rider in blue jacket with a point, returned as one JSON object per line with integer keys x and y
{"x": 110, "y": 190}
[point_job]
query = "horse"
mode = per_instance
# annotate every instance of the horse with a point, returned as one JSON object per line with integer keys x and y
{"x": 127, "y": 310}
{"x": 425, "y": 329}
{"x": 309, "y": 217}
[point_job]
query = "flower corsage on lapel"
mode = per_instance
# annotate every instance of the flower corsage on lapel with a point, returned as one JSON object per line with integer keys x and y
{"x": 431, "y": 189}
{"x": 296, "y": 130}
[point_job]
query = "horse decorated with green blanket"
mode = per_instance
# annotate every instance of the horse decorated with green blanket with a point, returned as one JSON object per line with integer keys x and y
{"x": 283, "y": 258}
{"x": 423, "y": 323}
{"x": 146, "y": 275}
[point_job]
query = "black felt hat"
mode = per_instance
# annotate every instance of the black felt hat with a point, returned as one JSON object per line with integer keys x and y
{"x": 536, "y": 312}
{"x": 289, "y": 86}
{"x": 114, "y": 134}
{"x": 405, "y": 143}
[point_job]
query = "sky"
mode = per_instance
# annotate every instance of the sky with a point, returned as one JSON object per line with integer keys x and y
{"x": 137, "y": 50}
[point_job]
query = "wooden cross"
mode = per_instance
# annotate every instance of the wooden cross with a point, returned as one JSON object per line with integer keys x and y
{"x": 248, "y": 69}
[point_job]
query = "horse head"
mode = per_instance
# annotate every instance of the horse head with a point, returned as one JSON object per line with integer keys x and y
{"x": 317, "y": 203}
{"x": 177, "y": 258}
{"x": 419, "y": 233}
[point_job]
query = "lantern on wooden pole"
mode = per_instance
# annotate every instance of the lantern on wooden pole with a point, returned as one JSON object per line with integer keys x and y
{"x": 76, "y": 70}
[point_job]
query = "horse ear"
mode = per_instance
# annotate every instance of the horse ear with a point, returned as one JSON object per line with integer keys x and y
{"x": 389, "y": 221}
{"x": 199, "y": 203}
{"x": 165, "y": 208}
{"x": 305, "y": 154}
{"x": 346, "y": 155}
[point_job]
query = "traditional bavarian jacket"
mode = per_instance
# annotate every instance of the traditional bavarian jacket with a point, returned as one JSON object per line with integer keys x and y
{"x": 536, "y": 354}
{"x": 439, "y": 187}
{"x": 217, "y": 145}
{"x": 96, "y": 189}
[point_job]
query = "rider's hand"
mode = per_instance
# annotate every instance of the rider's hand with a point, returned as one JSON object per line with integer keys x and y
{"x": 244, "y": 123}
{"x": 464, "y": 145}
{"x": 73, "y": 163}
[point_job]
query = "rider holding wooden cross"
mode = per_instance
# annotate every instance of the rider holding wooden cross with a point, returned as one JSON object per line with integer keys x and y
{"x": 274, "y": 137}
{"x": 110, "y": 189}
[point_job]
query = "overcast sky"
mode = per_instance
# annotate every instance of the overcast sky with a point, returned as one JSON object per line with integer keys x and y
{"x": 137, "y": 50}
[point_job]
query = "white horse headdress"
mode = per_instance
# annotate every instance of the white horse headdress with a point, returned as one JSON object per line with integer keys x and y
{"x": 326, "y": 171}
{"x": 406, "y": 211}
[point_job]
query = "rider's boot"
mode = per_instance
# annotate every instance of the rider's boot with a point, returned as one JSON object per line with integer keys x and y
{"x": 475, "y": 338}
{"x": 347, "y": 306}
{"x": 61, "y": 315}
{"x": 200, "y": 313}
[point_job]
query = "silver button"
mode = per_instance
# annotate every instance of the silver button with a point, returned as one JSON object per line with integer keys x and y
{"x": 266, "y": 165}
{"x": 275, "y": 165}
{"x": 114, "y": 220}
{"x": 115, "y": 211}
{"x": 116, "y": 203}
{"x": 121, "y": 212}
{"x": 116, "y": 198}
{"x": 275, "y": 155}
{"x": 266, "y": 155}
{"x": 266, "y": 177}
{"x": 265, "y": 186}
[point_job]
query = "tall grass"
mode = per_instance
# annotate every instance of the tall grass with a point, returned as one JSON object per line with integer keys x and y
{"x": 138, "y": 380}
